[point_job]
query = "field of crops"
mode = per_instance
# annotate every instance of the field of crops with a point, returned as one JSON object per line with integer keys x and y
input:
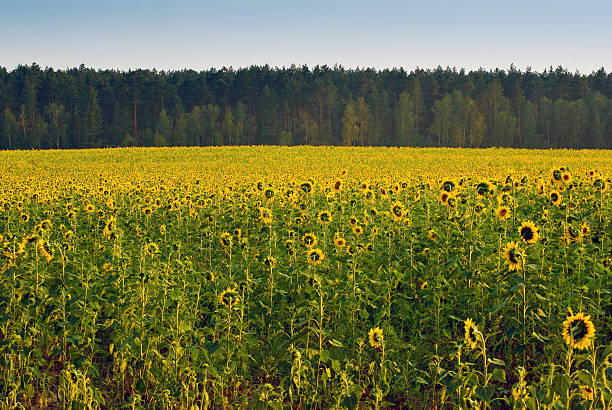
{"x": 305, "y": 277}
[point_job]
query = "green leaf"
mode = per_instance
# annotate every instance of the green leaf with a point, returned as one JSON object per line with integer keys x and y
{"x": 498, "y": 375}
{"x": 484, "y": 393}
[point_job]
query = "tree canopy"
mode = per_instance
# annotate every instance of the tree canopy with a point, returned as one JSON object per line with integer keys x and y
{"x": 86, "y": 108}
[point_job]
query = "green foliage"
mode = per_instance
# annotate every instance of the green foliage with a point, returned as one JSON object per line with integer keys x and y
{"x": 81, "y": 108}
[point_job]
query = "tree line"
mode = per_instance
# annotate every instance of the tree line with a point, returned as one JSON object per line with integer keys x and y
{"x": 86, "y": 108}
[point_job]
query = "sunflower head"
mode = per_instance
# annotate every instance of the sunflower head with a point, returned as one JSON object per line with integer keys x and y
{"x": 229, "y": 297}
{"x": 265, "y": 215}
{"x": 398, "y": 211}
{"x": 324, "y": 217}
{"x": 502, "y": 212}
{"x": 586, "y": 392}
{"x": 151, "y": 248}
{"x": 566, "y": 177}
{"x": 337, "y": 185}
{"x": 375, "y": 337}
{"x": 309, "y": 240}
{"x": 340, "y": 242}
{"x": 471, "y": 332}
{"x": 578, "y": 331}
{"x": 226, "y": 240}
{"x": 270, "y": 262}
{"x": 585, "y": 229}
{"x": 512, "y": 256}
{"x": 433, "y": 235}
{"x": 479, "y": 208}
{"x": 315, "y": 256}
{"x": 555, "y": 197}
{"x": 529, "y": 232}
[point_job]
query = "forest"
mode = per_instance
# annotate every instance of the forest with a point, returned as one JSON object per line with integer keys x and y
{"x": 88, "y": 108}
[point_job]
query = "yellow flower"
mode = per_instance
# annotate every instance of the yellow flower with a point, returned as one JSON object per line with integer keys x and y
{"x": 529, "y": 232}
{"x": 503, "y": 212}
{"x": 309, "y": 240}
{"x": 44, "y": 250}
{"x": 470, "y": 333}
{"x": 151, "y": 248}
{"x": 375, "y": 336}
{"x": 324, "y": 216}
{"x": 226, "y": 240}
{"x": 432, "y": 234}
{"x": 512, "y": 256}
{"x": 586, "y": 392}
{"x": 315, "y": 256}
{"x": 265, "y": 215}
{"x": 398, "y": 211}
{"x": 229, "y": 297}
{"x": 578, "y": 331}
{"x": 555, "y": 197}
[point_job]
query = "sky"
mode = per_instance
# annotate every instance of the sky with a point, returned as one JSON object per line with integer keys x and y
{"x": 174, "y": 35}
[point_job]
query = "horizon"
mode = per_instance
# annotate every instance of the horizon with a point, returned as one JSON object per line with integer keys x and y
{"x": 527, "y": 69}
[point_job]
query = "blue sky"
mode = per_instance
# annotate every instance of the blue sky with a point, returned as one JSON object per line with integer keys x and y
{"x": 171, "y": 35}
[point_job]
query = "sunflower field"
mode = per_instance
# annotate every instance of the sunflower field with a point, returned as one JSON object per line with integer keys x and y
{"x": 305, "y": 277}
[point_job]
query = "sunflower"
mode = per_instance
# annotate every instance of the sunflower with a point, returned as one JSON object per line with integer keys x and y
{"x": 447, "y": 186}
{"x": 24, "y": 218}
{"x": 315, "y": 256}
{"x": 147, "y": 211}
{"x": 324, "y": 217}
{"x": 398, "y": 211}
{"x": 309, "y": 240}
{"x": 376, "y": 338}
{"x": 229, "y": 297}
{"x": 578, "y": 331}
{"x": 566, "y": 177}
{"x": 226, "y": 240}
{"x": 340, "y": 242}
{"x": 470, "y": 333}
{"x": 337, "y": 185}
{"x": 502, "y": 212}
{"x": 89, "y": 208}
{"x": 529, "y": 232}
{"x": 511, "y": 255}
{"x": 269, "y": 261}
{"x": 519, "y": 392}
{"x": 265, "y": 215}
{"x": 110, "y": 226}
{"x": 585, "y": 229}
{"x": 479, "y": 208}
{"x": 600, "y": 185}
{"x": 586, "y": 392}
{"x": 44, "y": 250}
{"x": 444, "y": 196}
{"x": 353, "y": 221}
{"x": 357, "y": 230}
{"x": 433, "y": 235}
{"x": 571, "y": 235}
{"x": 151, "y": 248}
{"x": 504, "y": 197}
{"x": 162, "y": 229}
{"x": 45, "y": 225}
{"x": 555, "y": 197}
{"x": 68, "y": 235}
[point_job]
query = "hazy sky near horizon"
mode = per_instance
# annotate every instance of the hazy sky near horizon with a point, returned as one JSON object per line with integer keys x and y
{"x": 172, "y": 35}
